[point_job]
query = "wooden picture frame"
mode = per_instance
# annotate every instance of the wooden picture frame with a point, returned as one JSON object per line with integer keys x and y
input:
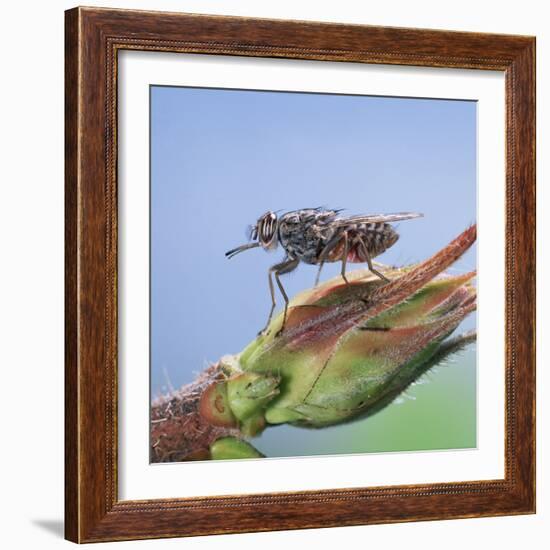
{"x": 93, "y": 511}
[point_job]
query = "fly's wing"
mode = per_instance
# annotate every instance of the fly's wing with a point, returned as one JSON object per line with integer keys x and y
{"x": 377, "y": 218}
{"x": 320, "y": 217}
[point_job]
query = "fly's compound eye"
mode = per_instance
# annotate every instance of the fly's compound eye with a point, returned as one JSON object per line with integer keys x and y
{"x": 266, "y": 227}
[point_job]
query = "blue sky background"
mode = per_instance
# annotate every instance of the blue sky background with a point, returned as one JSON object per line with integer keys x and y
{"x": 221, "y": 158}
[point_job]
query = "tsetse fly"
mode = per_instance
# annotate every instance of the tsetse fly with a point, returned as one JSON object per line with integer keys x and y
{"x": 319, "y": 235}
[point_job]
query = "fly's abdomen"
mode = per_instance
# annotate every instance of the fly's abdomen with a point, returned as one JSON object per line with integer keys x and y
{"x": 372, "y": 238}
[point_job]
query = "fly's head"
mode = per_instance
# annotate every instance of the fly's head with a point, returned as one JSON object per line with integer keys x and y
{"x": 262, "y": 234}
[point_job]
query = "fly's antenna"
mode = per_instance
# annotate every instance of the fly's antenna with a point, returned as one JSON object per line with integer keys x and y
{"x": 252, "y": 232}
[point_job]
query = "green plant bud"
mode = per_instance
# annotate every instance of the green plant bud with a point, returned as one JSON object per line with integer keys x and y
{"x": 231, "y": 448}
{"x": 249, "y": 393}
{"x": 253, "y": 425}
{"x": 345, "y": 349}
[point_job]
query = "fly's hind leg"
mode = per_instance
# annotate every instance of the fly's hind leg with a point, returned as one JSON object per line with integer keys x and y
{"x": 279, "y": 269}
{"x": 371, "y": 267}
{"x": 345, "y": 257}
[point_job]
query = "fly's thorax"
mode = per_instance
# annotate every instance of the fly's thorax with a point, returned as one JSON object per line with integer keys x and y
{"x": 299, "y": 234}
{"x": 288, "y": 225}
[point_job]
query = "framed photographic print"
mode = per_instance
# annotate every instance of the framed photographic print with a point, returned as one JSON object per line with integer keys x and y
{"x": 300, "y": 274}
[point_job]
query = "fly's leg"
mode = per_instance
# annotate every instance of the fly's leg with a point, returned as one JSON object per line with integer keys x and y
{"x": 279, "y": 269}
{"x": 345, "y": 257}
{"x": 285, "y": 267}
{"x": 321, "y": 263}
{"x": 285, "y": 297}
{"x": 371, "y": 267}
{"x": 273, "y": 303}
{"x": 332, "y": 243}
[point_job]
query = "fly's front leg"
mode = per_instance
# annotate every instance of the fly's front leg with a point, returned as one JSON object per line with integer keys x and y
{"x": 369, "y": 263}
{"x": 273, "y": 303}
{"x": 278, "y": 269}
{"x": 284, "y": 268}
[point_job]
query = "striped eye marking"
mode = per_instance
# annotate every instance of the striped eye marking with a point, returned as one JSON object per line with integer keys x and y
{"x": 267, "y": 226}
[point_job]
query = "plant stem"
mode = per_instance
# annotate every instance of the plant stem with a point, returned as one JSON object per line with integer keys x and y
{"x": 178, "y": 431}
